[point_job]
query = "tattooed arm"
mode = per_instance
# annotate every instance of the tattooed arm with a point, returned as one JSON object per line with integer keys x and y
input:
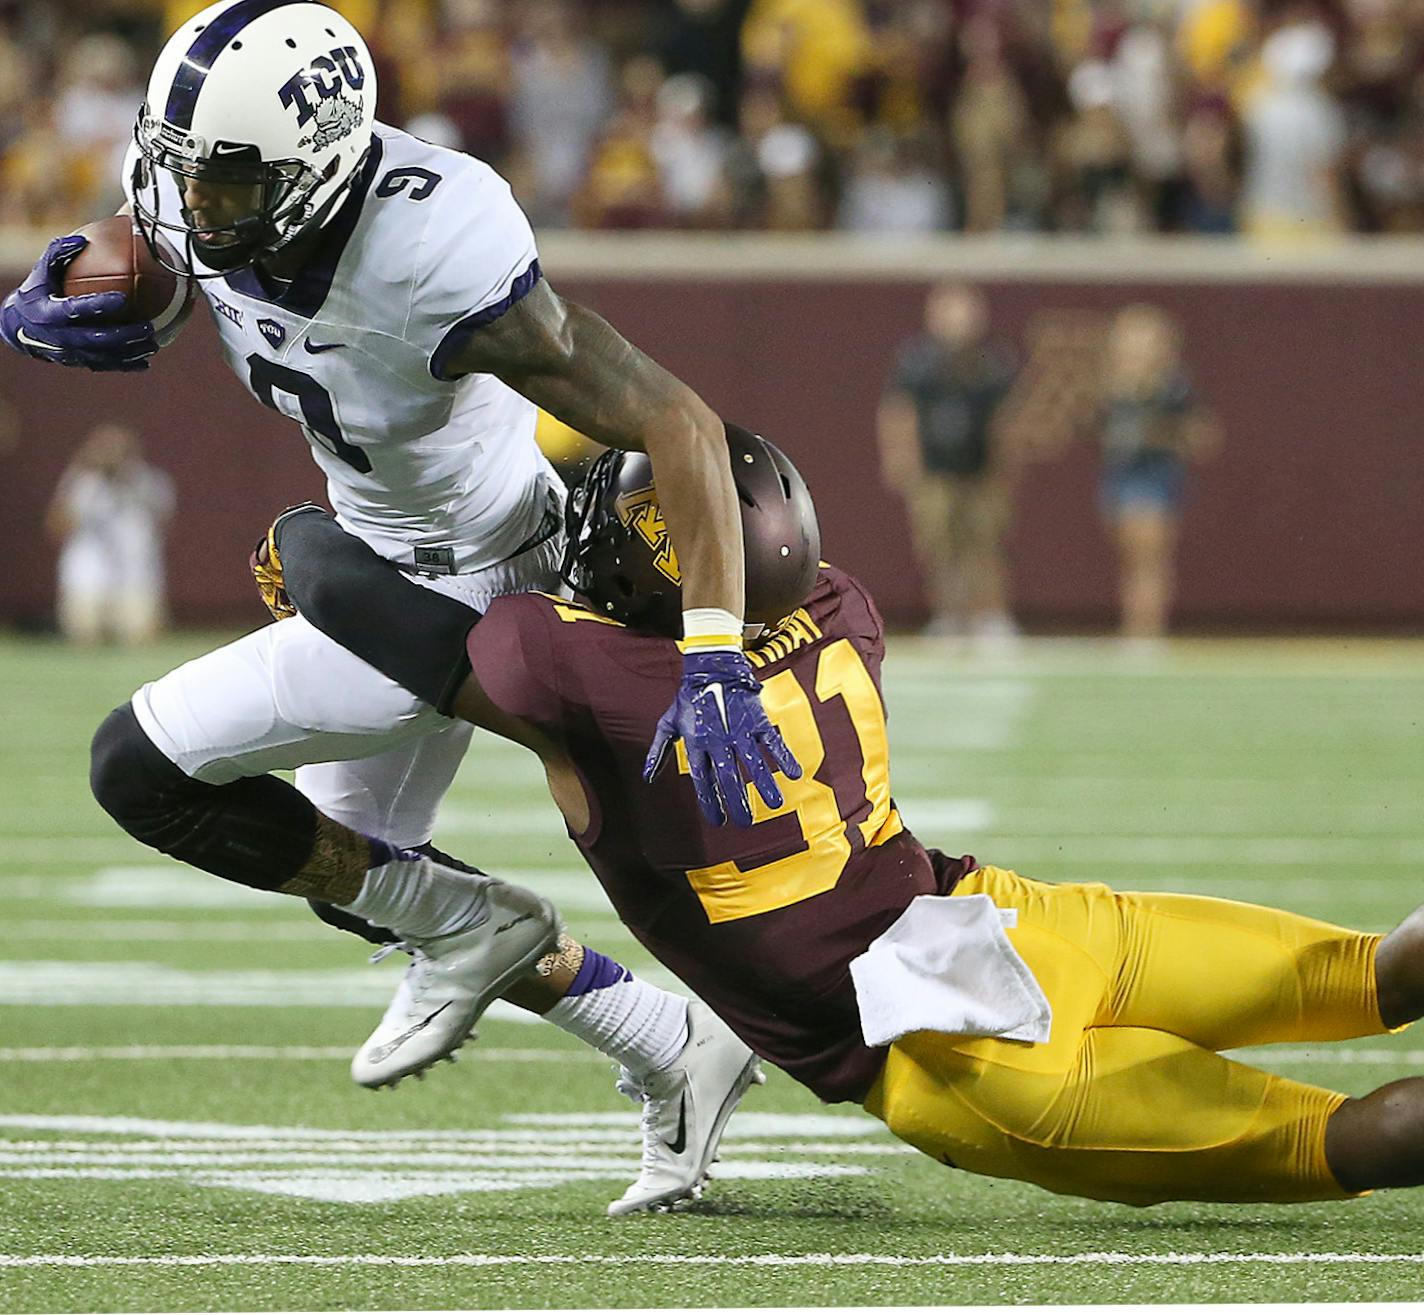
{"x": 576, "y": 366}
{"x": 569, "y": 361}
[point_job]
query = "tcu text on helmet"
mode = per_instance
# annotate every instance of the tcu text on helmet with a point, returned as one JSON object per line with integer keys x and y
{"x": 325, "y": 76}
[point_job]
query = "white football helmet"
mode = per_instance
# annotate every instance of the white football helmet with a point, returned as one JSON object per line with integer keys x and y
{"x": 273, "y": 95}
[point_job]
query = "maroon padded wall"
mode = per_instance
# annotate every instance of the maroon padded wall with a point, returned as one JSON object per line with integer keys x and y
{"x": 1309, "y": 516}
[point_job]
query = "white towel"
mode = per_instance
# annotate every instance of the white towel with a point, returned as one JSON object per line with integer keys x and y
{"x": 947, "y": 966}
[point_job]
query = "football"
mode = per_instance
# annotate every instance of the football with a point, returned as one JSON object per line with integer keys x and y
{"x": 117, "y": 259}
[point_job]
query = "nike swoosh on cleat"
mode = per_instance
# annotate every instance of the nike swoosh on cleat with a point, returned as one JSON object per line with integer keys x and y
{"x": 379, "y": 1053}
{"x": 316, "y": 348}
{"x": 679, "y": 1143}
{"x": 35, "y": 342}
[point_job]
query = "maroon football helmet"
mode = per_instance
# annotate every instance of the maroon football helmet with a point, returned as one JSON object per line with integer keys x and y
{"x": 619, "y": 556}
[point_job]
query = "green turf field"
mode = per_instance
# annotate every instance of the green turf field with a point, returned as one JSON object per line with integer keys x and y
{"x": 178, "y": 1132}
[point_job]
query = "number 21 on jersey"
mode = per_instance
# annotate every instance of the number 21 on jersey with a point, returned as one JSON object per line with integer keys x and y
{"x": 727, "y": 891}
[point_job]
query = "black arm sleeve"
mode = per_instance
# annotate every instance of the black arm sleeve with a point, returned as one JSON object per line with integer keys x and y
{"x": 413, "y": 635}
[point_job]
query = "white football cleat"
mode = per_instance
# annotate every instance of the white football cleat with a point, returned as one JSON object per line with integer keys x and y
{"x": 685, "y": 1108}
{"x": 452, "y": 980}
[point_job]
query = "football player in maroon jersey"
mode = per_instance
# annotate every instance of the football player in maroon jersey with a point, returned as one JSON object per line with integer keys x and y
{"x": 1073, "y": 1040}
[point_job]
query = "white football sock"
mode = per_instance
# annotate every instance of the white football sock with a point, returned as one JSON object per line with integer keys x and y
{"x": 633, "y": 1022}
{"x": 420, "y": 899}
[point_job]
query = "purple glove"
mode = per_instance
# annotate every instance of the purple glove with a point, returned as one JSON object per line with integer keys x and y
{"x": 718, "y": 716}
{"x": 38, "y": 320}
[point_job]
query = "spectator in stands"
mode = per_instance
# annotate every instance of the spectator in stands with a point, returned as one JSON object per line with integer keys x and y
{"x": 913, "y": 62}
{"x": 739, "y": 199}
{"x": 1211, "y": 150}
{"x": 17, "y": 77}
{"x": 474, "y": 77}
{"x": 989, "y": 127}
{"x": 622, "y": 188}
{"x": 1145, "y": 97}
{"x": 1096, "y": 189}
{"x": 108, "y": 514}
{"x": 1216, "y": 40}
{"x": 44, "y": 184}
{"x": 814, "y": 50}
{"x": 99, "y": 95}
{"x": 891, "y": 190}
{"x": 562, "y": 92}
{"x": 940, "y": 450}
{"x": 412, "y": 45}
{"x": 793, "y": 178}
{"x": 1295, "y": 139}
{"x": 704, "y": 37}
{"x": 690, "y": 149}
{"x": 1391, "y": 177}
{"x": 1150, "y": 425}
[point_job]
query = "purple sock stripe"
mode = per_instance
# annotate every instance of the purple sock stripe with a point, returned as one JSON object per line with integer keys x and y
{"x": 383, "y": 852}
{"x": 597, "y": 973}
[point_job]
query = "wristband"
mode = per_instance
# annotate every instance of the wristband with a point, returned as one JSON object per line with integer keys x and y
{"x": 705, "y": 628}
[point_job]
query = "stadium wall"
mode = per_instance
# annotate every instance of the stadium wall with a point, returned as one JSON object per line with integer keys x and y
{"x": 1309, "y": 517}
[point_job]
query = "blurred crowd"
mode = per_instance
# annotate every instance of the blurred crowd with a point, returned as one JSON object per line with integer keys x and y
{"x": 1264, "y": 117}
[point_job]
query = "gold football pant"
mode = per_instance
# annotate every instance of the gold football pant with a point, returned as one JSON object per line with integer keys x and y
{"x": 1128, "y": 1100}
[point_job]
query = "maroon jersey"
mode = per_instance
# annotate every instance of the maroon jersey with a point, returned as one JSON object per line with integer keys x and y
{"x": 761, "y": 922}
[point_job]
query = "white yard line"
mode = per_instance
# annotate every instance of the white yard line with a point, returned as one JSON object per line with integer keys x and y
{"x": 86, "y": 1054}
{"x": 552, "y": 1128}
{"x": 498, "y": 1147}
{"x": 1319, "y": 1052}
{"x": 829, "y": 1259}
{"x": 194, "y": 931}
{"x": 78, "y": 850}
{"x": 41, "y": 983}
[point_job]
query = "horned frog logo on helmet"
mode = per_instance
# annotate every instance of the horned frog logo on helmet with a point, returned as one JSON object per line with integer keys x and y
{"x": 639, "y": 512}
{"x": 334, "y": 119}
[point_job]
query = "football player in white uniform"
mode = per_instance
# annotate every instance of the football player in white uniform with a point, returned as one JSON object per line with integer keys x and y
{"x": 385, "y": 294}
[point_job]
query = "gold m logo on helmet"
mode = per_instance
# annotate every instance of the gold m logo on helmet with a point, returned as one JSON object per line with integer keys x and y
{"x": 639, "y": 512}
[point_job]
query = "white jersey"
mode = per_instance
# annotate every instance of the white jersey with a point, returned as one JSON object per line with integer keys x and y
{"x": 428, "y": 245}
